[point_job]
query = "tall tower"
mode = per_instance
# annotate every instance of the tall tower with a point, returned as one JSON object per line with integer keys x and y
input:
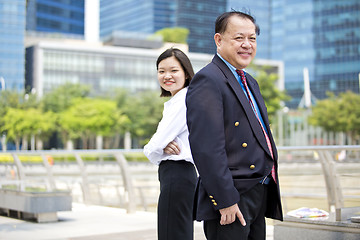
{"x": 61, "y": 16}
{"x": 12, "y": 59}
{"x": 149, "y": 16}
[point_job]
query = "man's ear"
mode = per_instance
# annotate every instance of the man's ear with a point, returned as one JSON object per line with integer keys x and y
{"x": 217, "y": 38}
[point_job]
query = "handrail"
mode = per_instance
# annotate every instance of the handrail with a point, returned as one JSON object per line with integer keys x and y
{"x": 326, "y": 159}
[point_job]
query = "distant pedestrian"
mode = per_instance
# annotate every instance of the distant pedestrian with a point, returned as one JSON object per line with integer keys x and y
{"x": 169, "y": 148}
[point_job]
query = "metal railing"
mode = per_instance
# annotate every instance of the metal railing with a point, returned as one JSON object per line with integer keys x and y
{"x": 136, "y": 185}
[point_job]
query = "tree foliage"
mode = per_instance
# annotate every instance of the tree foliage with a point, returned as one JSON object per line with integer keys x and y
{"x": 272, "y": 95}
{"x": 338, "y": 114}
{"x": 174, "y": 35}
{"x": 61, "y": 98}
{"x": 144, "y": 111}
{"x": 69, "y": 111}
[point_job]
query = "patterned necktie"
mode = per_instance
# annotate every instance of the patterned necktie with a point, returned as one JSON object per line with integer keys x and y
{"x": 243, "y": 80}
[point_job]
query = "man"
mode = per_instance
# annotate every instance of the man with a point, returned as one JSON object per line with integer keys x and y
{"x": 230, "y": 138}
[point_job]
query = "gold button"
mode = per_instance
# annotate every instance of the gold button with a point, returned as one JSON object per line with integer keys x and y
{"x": 244, "y": 145}
{"x": 215, "y": 203}
{"x": 211, "y": 196}
{"x": 213, "y": 200}
{"x": 236, "y": 124}
{"x": 252, "y": 166}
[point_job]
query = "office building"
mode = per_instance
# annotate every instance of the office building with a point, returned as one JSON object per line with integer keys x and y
{"x": 149, "y": 16}
{"x": 12, "y": 53}
{"x": 60, "y": 16}
{"x": 322, "y": 37}
{"x": 136, "y": 16}
{"x": 51, "y": 63}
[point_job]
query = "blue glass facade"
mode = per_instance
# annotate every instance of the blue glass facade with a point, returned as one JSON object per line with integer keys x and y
{"x": 199, "y": 17}
{"x": 136, "y": 16}
{"x": 149, "y": 16}
{"x": 336, "y": 46}
{"x": 62, "y": 16}
{"x": 323, "y": 36}
{"x": 12, "y": 53}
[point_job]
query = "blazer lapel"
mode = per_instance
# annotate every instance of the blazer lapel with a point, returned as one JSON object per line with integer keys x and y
{"x": 234, "y": 84}
{"x": 262, "y": 107}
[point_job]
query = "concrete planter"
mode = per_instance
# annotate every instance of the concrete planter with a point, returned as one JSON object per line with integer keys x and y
{"x": 41, "y": 206}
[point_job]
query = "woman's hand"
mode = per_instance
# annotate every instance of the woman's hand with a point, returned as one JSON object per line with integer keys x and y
{"x": 172, "y": 148}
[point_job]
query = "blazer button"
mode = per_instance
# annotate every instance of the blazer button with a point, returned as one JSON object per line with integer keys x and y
{"x": 236, "y": 124}
{"x": 252, "y": 166}
{"x": 215, "y": 204}
{"x": 211, "y": 196}
{"x": 244, "y": 145}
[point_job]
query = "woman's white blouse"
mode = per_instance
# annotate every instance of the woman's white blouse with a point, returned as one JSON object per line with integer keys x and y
{"x": 171, "y": 127}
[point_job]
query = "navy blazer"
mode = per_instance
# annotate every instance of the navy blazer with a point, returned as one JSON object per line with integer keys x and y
{"x": 227, "y": 143}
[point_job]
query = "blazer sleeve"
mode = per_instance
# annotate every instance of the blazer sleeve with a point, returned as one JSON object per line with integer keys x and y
{"x": 207, "y": 137}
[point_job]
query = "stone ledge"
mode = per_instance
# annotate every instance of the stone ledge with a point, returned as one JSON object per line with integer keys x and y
{"x": 41, "y": 206}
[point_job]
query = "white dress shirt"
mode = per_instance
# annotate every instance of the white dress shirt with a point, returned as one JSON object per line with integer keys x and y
{"x": 171, "y": 127}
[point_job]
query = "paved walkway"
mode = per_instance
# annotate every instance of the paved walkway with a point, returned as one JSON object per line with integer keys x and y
{"x": 88, "y": 222}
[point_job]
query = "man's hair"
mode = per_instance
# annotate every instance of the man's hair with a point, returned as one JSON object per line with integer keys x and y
{"x": 184, "y": 62}
{"x": 222, "y": 21}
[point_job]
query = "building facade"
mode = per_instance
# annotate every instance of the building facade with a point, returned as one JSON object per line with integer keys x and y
{"x": 104, "y": 68}
{"x": 12, "y": 53}
{"x": 322, "y": 37}
{"x": 136, "y": 16}
{"x": 149, "y": 16}
{"x": 60, "y": 16}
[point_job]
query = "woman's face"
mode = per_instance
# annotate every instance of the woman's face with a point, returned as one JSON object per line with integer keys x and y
{"x": 171, "y": 75}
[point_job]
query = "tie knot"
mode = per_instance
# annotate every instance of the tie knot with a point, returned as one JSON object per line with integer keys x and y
{"x": 242, "y": 75}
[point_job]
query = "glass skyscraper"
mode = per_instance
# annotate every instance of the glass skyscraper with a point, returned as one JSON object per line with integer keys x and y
{"x": 12, "y": 53}
{"x": 149, "y": 16}
{"x": 322, "y": 36}
{"x": 136, "y": 16}
{"x": 62, "y": 16}
{"x": 199, "y": 17}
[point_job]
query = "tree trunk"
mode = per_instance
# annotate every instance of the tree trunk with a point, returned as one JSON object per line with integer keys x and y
{"x": 127, "y": 141}
{"x": 24, "y": 143}
{"x": 39, "y": 144}
{"x": 99, "y": 142}
{"x": 69, "y": 145}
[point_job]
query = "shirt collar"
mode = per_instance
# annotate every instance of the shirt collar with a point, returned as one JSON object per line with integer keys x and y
{"x": 231, "y": 67}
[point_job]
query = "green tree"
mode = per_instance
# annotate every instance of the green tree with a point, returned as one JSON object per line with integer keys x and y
{"x": 144, "y": 111}
{"x": 273, "y": 96}
{"x": 338, "y": 114}
{"x": 174, "y": 35}
{"x": 16, "y": 100}
{"x": 89, "y": 117}
{"x": 61, "y": 98}
{"x": 22, "y": 123}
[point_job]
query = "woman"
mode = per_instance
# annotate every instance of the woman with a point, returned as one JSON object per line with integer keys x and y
{"x": 169, "y": 148}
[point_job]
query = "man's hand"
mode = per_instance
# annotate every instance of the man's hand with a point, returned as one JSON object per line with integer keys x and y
{"x": 172, "y": 148}
{"x": 229, "y": 214}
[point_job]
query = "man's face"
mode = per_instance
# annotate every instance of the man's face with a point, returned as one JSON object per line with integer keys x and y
{"x": 237, "y": 44}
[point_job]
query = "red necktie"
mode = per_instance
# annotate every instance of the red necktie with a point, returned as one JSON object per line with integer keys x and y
{"x": 243, "y": 80}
